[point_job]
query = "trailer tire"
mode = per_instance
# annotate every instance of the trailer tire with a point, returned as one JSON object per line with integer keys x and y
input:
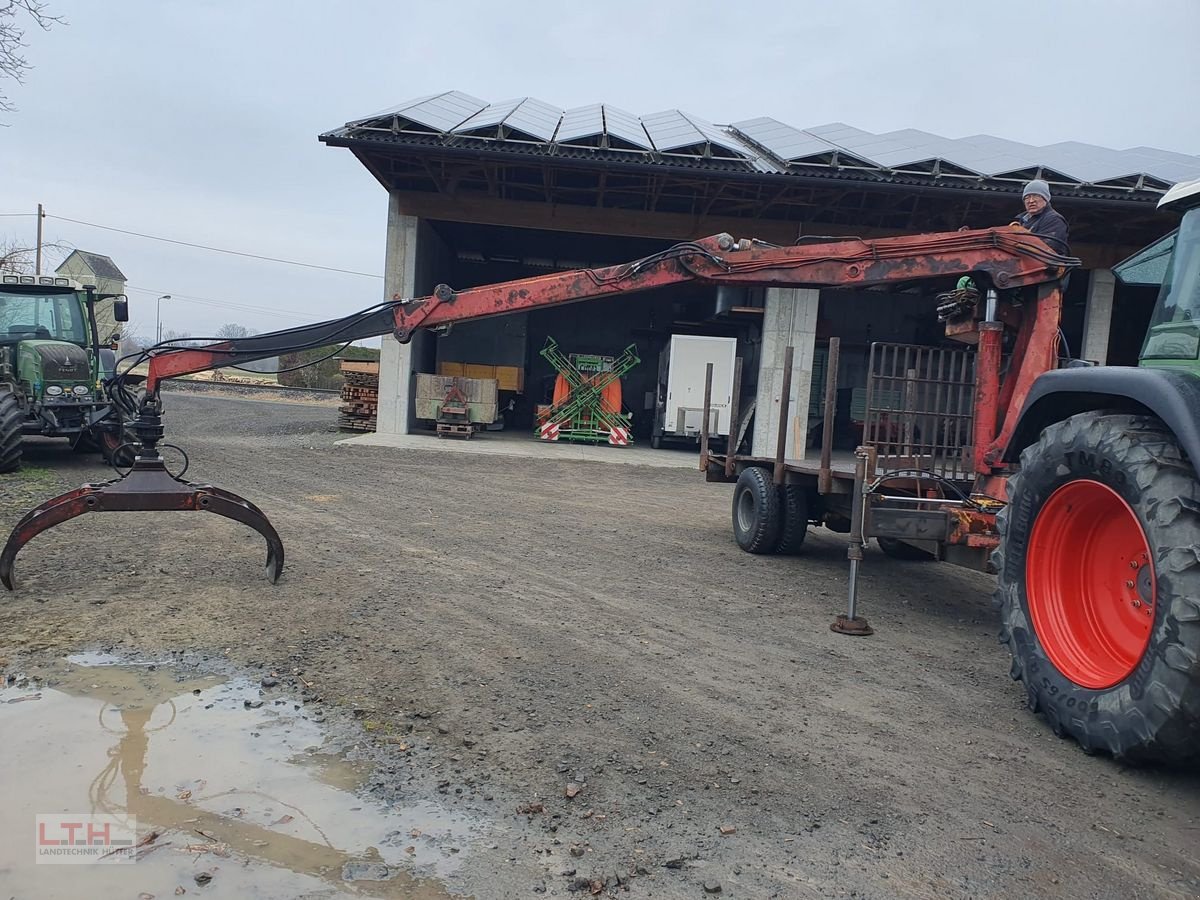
{"x": 11, "y": 435}
{"x": 1103, "y": 502}
{"x": 793, "y": 510}
{"x": 757, "y": 517}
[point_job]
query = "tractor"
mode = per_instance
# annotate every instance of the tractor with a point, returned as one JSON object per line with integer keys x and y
{"x": 56, "y": 378}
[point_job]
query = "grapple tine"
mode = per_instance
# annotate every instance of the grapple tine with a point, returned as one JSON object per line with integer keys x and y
{"x": 53, "y": 512}
{"x": 231, "y": 497}
{"x": 230, "y": 505}
{"x": 147, "y": 487}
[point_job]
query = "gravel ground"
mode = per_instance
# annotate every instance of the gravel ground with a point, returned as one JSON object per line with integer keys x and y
{"x": 528, "y": 630}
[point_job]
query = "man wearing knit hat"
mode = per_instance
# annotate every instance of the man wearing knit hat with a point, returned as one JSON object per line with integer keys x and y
{"x": 1043, "y": 219}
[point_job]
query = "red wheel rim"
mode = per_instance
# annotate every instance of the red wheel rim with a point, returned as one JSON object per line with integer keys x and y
{"x": 1090, "y": 584}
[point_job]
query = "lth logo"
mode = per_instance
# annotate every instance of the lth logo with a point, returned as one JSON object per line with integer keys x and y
{"x": 84, "y": 838}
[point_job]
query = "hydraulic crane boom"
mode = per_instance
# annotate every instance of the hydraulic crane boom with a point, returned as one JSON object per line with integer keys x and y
{"x": 999, "y": 259}
{"x": 1007, "y": 258}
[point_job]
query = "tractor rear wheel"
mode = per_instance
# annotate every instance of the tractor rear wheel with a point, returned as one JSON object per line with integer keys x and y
{"x": 11, "y": 434}
{"x": 1099, "y": 586}
{"x": 793, "y": 529}
{"x": 757, "y": 518}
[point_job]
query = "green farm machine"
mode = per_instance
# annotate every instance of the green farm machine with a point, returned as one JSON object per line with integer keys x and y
{"x": 55, "y": 374}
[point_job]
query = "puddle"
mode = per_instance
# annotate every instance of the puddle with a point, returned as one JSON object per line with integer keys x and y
{"x": 247, "y": 794}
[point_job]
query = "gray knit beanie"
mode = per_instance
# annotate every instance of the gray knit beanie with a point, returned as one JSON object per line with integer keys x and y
{"x": 1039, "y": 187}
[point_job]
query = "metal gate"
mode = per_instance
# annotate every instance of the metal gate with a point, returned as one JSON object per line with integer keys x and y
{"x": 919, "y": 408}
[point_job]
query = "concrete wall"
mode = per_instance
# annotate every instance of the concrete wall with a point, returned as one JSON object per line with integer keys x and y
{"x": 790, "y": 319}
{"x": 416, "y": 260}
{"x": 1097, "y": 319}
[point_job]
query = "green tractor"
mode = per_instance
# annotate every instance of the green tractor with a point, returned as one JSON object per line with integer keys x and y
{"x": 55, "y": 375}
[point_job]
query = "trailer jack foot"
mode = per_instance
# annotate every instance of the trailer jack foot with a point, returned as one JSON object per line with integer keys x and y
{"x": 855, "y": 627}
{"x": 148, "y": 486}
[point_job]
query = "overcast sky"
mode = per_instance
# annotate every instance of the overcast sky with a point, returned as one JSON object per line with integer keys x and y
{"x": 199, "y": 120}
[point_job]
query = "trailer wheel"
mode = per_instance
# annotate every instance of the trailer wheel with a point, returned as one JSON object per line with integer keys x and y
{"x": 757, "y": 517}
{"x": 897, "y": 549}
{"x": 793, "y": 509}
{"x": 1099, "y": 586}
{"x": 11, "y": 435}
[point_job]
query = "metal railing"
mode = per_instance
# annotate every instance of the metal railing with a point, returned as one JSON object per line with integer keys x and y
{"x": 919, "y": 408}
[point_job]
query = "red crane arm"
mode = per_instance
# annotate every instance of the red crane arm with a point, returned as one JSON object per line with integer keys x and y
{"x": 1007, "y": 257}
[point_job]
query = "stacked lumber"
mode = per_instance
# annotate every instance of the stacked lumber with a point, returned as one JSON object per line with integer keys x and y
{"x": 360, "y": 395}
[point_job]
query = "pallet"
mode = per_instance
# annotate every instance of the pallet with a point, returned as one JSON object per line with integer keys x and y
{"x": 455, "y": 430}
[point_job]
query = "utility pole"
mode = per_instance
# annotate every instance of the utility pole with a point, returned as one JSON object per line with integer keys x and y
{"x": 158, "y": 317}
{"x": 37, "y": 266}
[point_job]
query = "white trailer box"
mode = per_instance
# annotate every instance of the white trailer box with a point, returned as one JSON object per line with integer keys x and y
{"x": 681, "y": 386}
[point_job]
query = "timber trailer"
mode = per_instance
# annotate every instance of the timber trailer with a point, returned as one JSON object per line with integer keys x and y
{"x": 1076, "y": 485}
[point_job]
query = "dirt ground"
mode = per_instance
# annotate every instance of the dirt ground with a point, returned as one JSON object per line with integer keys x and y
{"x": 501, "y": 629}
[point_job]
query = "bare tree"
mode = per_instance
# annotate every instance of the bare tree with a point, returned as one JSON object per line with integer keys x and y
{"x": 179, "y": 338}
{"x": 133, "y": 338}
{"x": 13, "y": 22}
{"x": 231, "y": 330}
{"x": 17, "y": 257}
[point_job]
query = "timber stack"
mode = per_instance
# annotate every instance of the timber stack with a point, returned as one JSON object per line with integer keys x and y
{"x": 360, "y": 395}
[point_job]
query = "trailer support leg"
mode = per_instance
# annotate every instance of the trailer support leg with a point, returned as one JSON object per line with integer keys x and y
{"x": 851, "y": 623}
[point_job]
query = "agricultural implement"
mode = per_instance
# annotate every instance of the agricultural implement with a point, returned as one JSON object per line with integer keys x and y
{"x": 587, "y": 398}
{"x": 1076, "y": 485}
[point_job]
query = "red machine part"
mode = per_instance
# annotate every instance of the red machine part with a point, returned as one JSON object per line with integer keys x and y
{"x": 1091, "y": 584}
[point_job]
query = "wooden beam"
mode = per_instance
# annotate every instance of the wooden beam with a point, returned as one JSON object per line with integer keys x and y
{"x": 483, "y": 210}
{"x": 590, "y": 220}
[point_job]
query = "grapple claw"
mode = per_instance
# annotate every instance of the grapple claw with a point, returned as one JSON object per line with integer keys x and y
{"x": 148, "y": 487}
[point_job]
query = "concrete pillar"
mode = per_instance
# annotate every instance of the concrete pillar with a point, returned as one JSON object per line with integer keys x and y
{"x": 790, "y": 319}
{"x": 1097, "y": 318}
{"x": 415, "y": 261}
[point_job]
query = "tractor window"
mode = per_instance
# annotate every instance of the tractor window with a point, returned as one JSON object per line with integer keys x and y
{"x": 25, "y": 317}
{"x": 1175, "y": 327}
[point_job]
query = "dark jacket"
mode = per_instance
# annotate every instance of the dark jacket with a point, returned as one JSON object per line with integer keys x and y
{"x": 1050, "y": 226}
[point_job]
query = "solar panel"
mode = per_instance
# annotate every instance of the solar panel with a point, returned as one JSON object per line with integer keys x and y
{"x": 625, "y": 127}
{"x": 581, "y": 122}
{"x": 678, "y": 133}
{"x": 535, "y": 118}
{"x": 669, "y": 130}
{"x": 491, "y": 116}
{"x": 783, "y": 140}
{"x": 723, "y": 139}
{"x": 441, "y": 112}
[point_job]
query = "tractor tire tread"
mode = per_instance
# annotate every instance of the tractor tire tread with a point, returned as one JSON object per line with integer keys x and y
{"x": 11, "y": 434}
{"x": 1153, "y": 716}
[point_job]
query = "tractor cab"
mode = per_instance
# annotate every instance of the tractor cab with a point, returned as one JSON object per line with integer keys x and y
{"x": 52, "y": 365}
{"x": 46, "y": 346}
{"x": 1173, "y": 339}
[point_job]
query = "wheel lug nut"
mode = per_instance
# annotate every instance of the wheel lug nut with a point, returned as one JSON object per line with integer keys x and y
{"x": 1137, "y": 604}
{"x": 1133, "y": 564}
{"x": 1129, "y": 584}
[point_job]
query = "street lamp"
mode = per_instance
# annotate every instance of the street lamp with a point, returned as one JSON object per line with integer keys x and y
{"x": 158, "y": 316}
